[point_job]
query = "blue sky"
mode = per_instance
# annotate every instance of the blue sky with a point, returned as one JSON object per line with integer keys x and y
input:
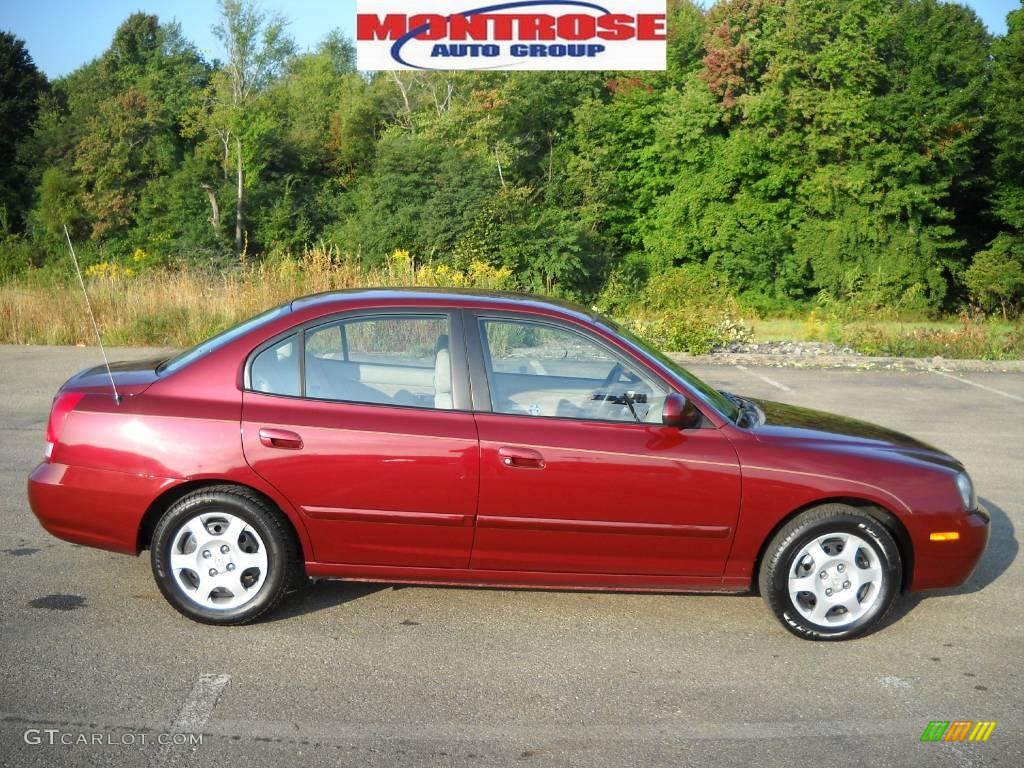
{"x": 61, "y": 35}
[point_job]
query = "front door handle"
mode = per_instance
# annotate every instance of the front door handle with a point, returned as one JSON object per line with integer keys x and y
{"x": 280, "y": 438}
{"x": 521, "y": 458}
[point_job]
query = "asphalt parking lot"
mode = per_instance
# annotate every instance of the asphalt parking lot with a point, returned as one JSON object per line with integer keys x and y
{"x": 367, "y": 675}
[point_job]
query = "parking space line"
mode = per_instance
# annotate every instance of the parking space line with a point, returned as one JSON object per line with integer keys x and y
{"x": 979, "y": 386}
{"x": 200, "y": 703}
{"x": 765, "y": 379}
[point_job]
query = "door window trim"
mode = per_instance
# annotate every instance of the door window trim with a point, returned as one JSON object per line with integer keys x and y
{"x": 461, "y": 400}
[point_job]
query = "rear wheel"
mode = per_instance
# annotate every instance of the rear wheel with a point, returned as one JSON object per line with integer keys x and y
{"x": 831, "y": 573}
{"x": 221, "y": 555}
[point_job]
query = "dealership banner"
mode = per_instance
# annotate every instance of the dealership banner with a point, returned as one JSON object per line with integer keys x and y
{"x": 515, "y": 35}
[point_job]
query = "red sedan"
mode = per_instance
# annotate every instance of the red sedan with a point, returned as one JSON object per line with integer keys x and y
{"x": 458, "y": 438}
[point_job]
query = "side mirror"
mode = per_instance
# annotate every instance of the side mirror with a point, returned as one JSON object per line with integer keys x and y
{"x": 678, "y": 412}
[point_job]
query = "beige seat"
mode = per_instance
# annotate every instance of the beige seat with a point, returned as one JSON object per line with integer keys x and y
{"x": 443, "y": 380}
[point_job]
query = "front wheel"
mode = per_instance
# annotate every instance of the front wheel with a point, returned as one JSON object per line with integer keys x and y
{"x": 221, "y": 555}
{"x": 831, "y": 573}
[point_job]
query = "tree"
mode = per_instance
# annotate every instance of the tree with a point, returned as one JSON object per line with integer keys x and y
{"x": 686, "y": 29}
{"x": 257, "y": 49}
{"x": 1008, "y": 121}
{"x": 996, "y": 275}
{"x": 420, "y": 196}
{"x": 116, "y": 158}
{"x": 837, "y": 151}
{"x": 21, "y": 85}
{"x": 322, "y": 134}
{"x": 59, "y": 205}
{"x": 131, "y": 137}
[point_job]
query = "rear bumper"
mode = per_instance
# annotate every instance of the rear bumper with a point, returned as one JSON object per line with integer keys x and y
{"x": 93, "y": 507}
{"x": 947, "y": 564}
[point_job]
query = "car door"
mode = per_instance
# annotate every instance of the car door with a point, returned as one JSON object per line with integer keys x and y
{"x": 578, "y": 474}
{"x": 363, "y": 422}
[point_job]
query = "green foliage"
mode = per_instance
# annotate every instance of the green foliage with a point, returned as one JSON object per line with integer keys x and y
{"x": 685, "y": 309}
{"x": 174, "y": 221}
{"x": 21, "y": 86}
{"x": 60, "y": 205}
{"x": 824, "y": 143}
{"x": 16, "y": 252}
{"x": 996, "y": 277}
{"x": 420, "y": 194}
{"x": 1007, "y": 96}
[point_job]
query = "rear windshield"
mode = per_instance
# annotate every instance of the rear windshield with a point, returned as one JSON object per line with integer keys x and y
{"x": 189, "y": 356}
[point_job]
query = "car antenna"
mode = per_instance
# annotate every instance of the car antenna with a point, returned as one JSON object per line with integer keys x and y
{"x": 95, "y": 327}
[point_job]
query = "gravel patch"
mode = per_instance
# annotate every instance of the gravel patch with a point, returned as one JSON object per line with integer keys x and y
{"x": 813, "y": 354}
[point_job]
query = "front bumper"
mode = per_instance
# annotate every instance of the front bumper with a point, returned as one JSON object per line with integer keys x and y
{"x": 948, "y": 564}
{"x": 93, "y": 507}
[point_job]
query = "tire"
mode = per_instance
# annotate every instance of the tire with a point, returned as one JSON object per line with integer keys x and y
{"x": 223, "y": 555}
{"x": 820, "y": 590}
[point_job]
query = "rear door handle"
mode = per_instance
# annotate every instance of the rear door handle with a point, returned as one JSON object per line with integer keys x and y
{"x": 280, "y": 438}
{"x": 521, "y": 458}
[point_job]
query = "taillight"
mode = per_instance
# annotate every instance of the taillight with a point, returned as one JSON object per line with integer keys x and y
{"x": 63, "y": 404}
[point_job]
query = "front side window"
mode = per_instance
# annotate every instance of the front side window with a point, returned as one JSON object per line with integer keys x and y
{"x": 541, "y": 370}
{"x": 712, "y": 396}
{"x": 384, "y": 360}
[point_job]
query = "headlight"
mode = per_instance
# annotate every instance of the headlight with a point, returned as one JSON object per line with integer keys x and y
{"x": 966, "y": 488}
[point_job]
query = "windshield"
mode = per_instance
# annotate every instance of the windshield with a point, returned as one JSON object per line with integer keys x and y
{"x": 710, "y": 395}
{"x": 191, "y": 355}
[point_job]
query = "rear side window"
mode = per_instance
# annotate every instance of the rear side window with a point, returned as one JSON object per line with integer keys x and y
{"x": 384, "y": 360}
{"x": 275, "y": 370}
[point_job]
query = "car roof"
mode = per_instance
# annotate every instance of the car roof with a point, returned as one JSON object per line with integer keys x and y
{"x": 456, "y": 297}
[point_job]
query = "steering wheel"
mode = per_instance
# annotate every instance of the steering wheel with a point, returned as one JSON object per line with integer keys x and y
{"x": 613, "y": 376}
{"x": 601, "y": 395}
{"x": 605, "y": 397}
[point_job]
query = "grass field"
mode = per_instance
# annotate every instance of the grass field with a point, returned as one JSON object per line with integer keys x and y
{"x": 793, "y": 329}
{"x": 963, "y": 337}
{"x": 182, "y": 307}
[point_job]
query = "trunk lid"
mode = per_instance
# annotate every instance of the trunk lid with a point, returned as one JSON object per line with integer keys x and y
{"x": 132, "y": 377}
